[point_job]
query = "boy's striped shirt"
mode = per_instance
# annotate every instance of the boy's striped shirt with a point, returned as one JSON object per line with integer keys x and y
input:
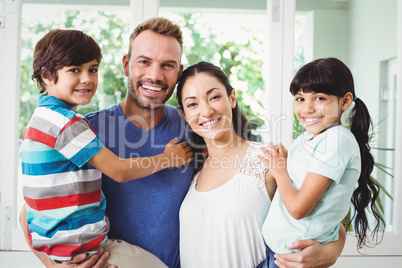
{"x": 65, "y": 204}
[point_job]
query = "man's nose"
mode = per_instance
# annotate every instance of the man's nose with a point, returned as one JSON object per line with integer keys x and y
{"x": 155, "y": 72}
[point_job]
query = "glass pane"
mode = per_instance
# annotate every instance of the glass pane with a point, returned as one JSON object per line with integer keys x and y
{"x": 353, "y": 31}
{"x": 108, "y": 25}
{"x": 236, "y": 43}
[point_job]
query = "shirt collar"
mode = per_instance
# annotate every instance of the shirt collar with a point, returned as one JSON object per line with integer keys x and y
{"x": 45, "y": 100}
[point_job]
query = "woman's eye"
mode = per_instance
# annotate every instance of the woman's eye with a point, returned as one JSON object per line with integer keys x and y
{"x": 298, "y": 99}
{"x": 190, "y": 105}
{"x": 215, "y": 97}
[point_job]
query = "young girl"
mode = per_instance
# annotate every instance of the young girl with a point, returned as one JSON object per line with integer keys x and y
{"x": 323, "y": 164}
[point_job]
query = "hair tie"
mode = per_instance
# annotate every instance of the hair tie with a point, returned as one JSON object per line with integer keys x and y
{"x": 355, "y": 98}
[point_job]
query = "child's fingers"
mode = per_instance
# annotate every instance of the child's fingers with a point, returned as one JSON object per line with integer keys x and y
{"x": 263, "y": 160}
{"x": 273, "y": 149}
{"x": 281, "y": 149}
{"x": 172, "y": 142}
{"x": 265, "y": 152}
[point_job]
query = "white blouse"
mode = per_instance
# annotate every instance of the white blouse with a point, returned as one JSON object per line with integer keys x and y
{"x": 222, "y": 227}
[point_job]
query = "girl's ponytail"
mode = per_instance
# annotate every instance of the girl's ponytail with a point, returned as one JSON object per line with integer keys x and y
{"x": 367, "y": 190}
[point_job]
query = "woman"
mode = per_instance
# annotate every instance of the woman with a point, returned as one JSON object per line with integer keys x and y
{"x": 223, "y": 212}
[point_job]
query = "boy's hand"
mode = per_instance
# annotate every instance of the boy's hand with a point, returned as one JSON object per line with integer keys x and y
{"x": 179, "y": 154}
{"x": 275, "y": 159}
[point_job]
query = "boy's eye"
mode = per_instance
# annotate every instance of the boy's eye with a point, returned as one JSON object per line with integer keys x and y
{"x": 93, "y": 70}
{"x": 74, "y": 70}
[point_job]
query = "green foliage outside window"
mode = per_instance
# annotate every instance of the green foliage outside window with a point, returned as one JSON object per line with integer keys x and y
{"x": 111, "y": 32}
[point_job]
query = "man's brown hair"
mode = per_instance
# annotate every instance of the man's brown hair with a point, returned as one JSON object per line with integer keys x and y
{"x": 158, "y": 25}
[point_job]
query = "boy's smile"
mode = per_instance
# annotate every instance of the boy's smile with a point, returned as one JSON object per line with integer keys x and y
{"x": 76, "y": 85}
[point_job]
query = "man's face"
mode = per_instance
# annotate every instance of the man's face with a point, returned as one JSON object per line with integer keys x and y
{"x": 153, "y": 69}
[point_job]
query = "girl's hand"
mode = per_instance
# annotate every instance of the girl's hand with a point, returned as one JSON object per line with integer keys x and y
{"x": 95, "y": 261}
{"x": 275, "y": 159}
{"x": 178, "y": 154}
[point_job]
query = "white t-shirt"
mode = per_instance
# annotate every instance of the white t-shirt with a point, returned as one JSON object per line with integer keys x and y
{"x": 222, "y": 227}
{"x": 334, "y": 154}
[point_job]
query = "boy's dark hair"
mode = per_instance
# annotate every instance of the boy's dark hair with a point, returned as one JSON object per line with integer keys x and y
{"x": 60, "y": 48}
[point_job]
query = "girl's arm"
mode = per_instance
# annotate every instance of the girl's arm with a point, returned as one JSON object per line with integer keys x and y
{"x": 299, "y": 203}
{"x": 123, "y": 170}
{"x": 313, "y": 254}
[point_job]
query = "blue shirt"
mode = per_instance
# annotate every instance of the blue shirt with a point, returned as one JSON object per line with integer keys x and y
{"x": 144, "y": 212}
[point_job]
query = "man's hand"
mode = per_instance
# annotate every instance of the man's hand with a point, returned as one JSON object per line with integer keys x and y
{"x": 95, "y": 261}
{"x": 312, "y": 255}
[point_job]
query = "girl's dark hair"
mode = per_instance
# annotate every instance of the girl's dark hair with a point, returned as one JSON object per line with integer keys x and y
{"x": 60, "y": 48}
{"x": 240, "y": 123}
{"x": 331, "y": 76}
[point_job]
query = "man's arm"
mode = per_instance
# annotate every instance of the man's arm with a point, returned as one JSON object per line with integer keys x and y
{"x": 313, "y": 254}
{"x": 95, "y": 261}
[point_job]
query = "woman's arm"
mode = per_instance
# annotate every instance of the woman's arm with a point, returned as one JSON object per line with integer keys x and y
{"x": 313, "y": 254}
{"x": 270, "y": 184}
{"x": 123, "y": 170}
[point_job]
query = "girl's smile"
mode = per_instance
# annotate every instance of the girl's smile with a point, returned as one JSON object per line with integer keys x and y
{"x": 318, "y": 111}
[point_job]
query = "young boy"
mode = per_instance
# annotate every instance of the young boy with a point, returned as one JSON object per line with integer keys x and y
{"x": 62, "y": 159}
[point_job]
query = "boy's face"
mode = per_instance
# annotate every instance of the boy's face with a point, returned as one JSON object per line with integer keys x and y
{"x": 76, "y": 85}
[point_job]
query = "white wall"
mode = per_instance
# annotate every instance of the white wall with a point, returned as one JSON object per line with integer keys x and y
{"x": 373, "y": 38}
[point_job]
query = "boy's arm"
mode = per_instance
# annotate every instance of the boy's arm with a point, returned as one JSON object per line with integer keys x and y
{"x": 123, "y": 170}
{"x": 95, "y": 261}
{"x": 313, "y": 254}
{"x": 299, "y": 203}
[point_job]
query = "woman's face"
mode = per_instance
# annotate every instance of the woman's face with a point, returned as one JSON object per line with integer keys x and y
{"x": 208, "y": 108}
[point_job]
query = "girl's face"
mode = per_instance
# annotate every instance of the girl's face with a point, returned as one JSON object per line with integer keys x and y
{"x": 76, "y": 85}
{"x": 319, "y": 111}
{"x": 207, "y": 107}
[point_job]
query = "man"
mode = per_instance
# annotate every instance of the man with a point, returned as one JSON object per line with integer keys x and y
{"x": 146, "y": 211}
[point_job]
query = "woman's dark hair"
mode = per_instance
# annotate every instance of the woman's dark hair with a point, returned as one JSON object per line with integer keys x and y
{"x": 331, "y": 76}
{"x": 60, "y": 48}
{"x": 240, "y": 123}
